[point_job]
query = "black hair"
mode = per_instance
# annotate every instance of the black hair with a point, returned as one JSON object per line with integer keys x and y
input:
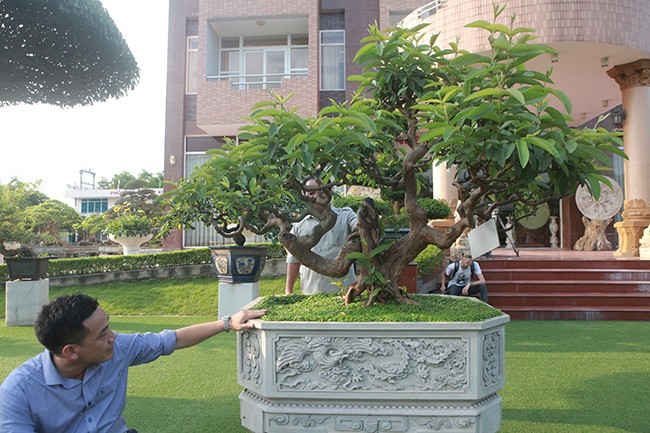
{"x": 60, "y": 322}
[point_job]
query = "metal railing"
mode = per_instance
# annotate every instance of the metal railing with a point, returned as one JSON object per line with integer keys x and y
{"x": 257, "y": 81}
{"x": 429, "y": 9}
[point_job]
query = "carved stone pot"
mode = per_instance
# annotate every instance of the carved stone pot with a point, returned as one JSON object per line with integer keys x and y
{"x": 372, "y": 377}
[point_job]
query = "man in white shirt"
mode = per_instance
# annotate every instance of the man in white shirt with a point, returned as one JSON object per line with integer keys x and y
{"x": 328, "y": 247}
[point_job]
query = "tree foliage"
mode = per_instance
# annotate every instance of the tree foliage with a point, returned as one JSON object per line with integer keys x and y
{"x": 418, "y": 104}
{"x": 27, "y": 216}
{"x": 65, "y": 53}
{"x": 126, "y": 180}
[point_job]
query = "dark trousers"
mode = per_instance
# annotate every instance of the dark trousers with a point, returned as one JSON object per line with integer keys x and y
{"x": 456, "y": 290}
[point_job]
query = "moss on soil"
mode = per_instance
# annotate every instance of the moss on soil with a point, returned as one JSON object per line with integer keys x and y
{"x": 328, "y": 307}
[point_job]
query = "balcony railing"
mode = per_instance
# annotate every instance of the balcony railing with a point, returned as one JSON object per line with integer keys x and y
{"x": 429, "y": 9}
{"x": 257, "y": 81}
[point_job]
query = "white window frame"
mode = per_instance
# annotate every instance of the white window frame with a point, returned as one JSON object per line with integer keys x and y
{"x": 241, "y": 80}
{"x": 322, "y": 63}
{"x": 191, "y": 62}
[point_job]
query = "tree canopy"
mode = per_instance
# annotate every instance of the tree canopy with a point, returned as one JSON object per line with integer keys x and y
{"x": 126, "y": 180}
{"x": 64, "y": 53}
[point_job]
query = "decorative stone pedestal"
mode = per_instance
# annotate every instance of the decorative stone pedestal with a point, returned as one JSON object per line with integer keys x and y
{"x": 372, "y": 377}
{"x": 24, "y": 300}
{"x": 131, "y": 244}
{"x": 233, "y": 296}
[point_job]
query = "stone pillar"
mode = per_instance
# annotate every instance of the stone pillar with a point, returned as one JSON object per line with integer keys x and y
{"x": 634, "y": 81}
{"x": 233, "y": 296}
{"x": 24, "y": 300}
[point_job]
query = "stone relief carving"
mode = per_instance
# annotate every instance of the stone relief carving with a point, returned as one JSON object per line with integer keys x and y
{"x": 251, "y": 368}
{"x": 367, "y": 364}
{"x": 492, "y": 368}
{"x": 454, "y": 423}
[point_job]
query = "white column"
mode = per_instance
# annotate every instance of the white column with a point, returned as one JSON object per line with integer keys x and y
{"x": 634, "y": 81}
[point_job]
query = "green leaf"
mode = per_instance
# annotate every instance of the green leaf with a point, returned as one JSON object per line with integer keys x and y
{"x": 380, "y": 249}
{"x": 517, "y": 95}
{"x": 481, "y": 94}
{"x": 522, "y": 151}
{"x": 543, "y": 144}
{"x": 480, "y": 111}
{"x": 468, "y": 59}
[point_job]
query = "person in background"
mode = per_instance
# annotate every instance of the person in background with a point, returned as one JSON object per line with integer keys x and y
{"x": 464, "y": 277}
{"x": 78, "y": 384}
{"x": 329, "y": 246}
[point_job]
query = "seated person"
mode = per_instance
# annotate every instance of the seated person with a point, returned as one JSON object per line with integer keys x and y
{"x": 457, "y": 278}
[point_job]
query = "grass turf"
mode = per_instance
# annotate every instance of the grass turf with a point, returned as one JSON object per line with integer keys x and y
{"x": 561, "y": 377}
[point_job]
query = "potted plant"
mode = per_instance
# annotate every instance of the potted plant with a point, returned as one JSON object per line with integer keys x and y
{"x": 130, "y": 229}
{"x": 418, "y": 104}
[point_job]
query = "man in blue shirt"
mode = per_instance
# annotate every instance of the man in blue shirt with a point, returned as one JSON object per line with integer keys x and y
{"x": 78, "y": 384}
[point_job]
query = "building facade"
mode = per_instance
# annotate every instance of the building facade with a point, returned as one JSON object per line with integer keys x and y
{"x": 225, "y": 56}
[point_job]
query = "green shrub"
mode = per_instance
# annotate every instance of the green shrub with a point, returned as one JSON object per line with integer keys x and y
{"x": 435, "y": 209}
{"x": 353, "y": 202}
{"x": 429, "y": 260}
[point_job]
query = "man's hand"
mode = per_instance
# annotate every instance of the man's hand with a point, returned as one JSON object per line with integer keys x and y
{"x": 239, "y": 321}
{"x": 465, "y": 291}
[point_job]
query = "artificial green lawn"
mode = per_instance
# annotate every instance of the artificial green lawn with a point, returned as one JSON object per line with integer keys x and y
{"x": 561, "y": 376}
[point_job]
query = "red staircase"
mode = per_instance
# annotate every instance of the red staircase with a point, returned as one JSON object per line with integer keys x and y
{"x": 568, "y": 285}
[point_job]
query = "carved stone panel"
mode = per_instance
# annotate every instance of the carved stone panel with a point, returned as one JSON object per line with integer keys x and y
{"x": 371, "y": 364}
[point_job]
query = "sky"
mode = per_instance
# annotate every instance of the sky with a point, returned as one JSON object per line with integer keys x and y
{"x": 126, "y": 134}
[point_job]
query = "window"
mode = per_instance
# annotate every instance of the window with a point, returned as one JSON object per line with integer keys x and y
{"x": 332, "y": 60}
{"x": 192, "y": 64}
{"x": 93, "y": 205}
{"x": 262, "y": 62}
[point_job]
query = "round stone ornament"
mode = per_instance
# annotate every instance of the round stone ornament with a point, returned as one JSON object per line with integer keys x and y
{"x": 608, "y": 205}
{"x": 536, "y": 220}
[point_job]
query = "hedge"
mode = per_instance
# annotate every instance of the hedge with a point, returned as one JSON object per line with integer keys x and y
{"x": 100, "y": 264}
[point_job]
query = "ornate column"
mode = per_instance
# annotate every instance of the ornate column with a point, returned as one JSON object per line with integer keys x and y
{"x": 634, "y": 81}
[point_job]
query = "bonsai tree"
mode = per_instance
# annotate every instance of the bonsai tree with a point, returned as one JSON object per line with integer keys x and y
{"x": 418, "y": 104}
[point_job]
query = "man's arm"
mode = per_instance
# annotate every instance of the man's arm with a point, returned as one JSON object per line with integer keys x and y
{"x": 191, "y": 335}
{"x": 443, "y": 281}
{"x": 292, "y": 275}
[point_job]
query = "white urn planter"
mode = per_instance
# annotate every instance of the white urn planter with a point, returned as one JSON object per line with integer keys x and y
{"x": 130, "y": 244}
{"x": 372, "y": 377}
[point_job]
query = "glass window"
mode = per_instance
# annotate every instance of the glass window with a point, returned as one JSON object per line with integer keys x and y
{"x": 302, "y": 39}
{"x": 94, "y": 205}
{"x": 192, "y": 64}
{"x": 332, "y": 49}
{"x": 230, "y": 42}
{"x": 299, "y": 59}
{"x": 230, "y": 62}
{"x": 265, "y": 41}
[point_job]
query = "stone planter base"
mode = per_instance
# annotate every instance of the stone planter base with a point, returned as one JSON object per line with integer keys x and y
{"x": 372, "y": 377}
{"x": 262, "y": 415}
